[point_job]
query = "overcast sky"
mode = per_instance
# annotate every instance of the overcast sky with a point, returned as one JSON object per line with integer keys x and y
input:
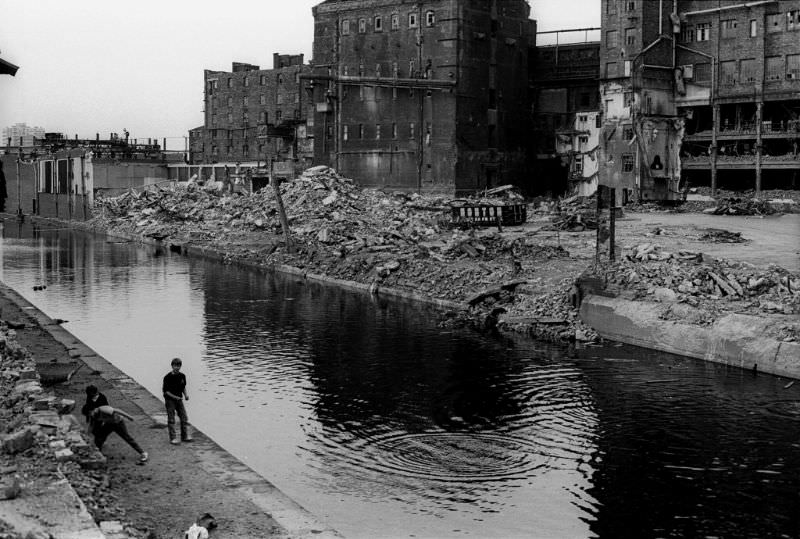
{"x": 89, "y": 66}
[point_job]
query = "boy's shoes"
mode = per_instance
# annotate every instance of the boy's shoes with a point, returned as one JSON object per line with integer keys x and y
{"x": 174, "y": 441}
{"x": 188, "y": 439}
{"x": 144, "y": 457}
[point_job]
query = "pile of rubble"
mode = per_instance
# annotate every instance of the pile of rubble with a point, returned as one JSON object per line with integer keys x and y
{"x": 574, "y": 214}
{"x": 741, "y": 206}
{"x": 42, "y": 443}
{"x": 647, "y": 272}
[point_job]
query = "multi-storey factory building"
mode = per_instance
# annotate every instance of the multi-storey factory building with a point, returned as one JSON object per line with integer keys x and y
{"x": 422, "y": 95}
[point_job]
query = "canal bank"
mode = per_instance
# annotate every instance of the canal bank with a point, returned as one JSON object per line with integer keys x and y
{"x": 740, "y": 340}
{"x": 178, "y": 484}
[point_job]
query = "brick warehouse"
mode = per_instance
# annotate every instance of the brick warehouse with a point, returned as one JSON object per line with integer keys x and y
{"x": 422, "y": 95}
{"x": 254, "y": 114}
{"x": 699, "y": 91}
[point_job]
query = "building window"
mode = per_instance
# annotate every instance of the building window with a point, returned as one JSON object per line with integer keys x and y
{"x": 230, "y": 82}
{"x": 583, "y": 140}
{"x": 278, "y": 115}
{"x": 429, "y": 133}
{"x": 687, "y": 33}
{"x": 577, "y": 166}
{"x": 230, "y": 101}
{"x": 412, "y": 20}
{"x": 379, "y": 24}
{"x": 630, "y": 5}
{"x": 377, "y": 131}
{"x": 728, "y": 28}
{"x": 773, "y": 22}
{"x": 230, "y": 117}
{"x": 612, "y": 39}
{"x": 753, "y": 28}
{"x": 262, "y": 100}
{"x": 627, "y": 162}
{"x": 345, "y": 28}
{"x": 585, "y": 99}
{"x": 362, "y": 26}
{"x": 280, "y": 78}
{"x": 394, "y": 131}
{"x": 361, "y": 131}
{"x": 627, "y": 132}
{"x": 395, "y": 21}
{"x": 748, "y": 70}
{"x": 412, "y": 71}
{"x": 247, "y": 82}
{"x": 411, "y": 130}
{"x": 245, "y": 100}
{"x": 213, "y": 119}
{"x": 630, "y": 36}
{"x": 262, "y": 117}
{"x": 430, "y": 18}
{"x": 345, "y": 132}
{"x": 611, "y": 7}
{"x": 627, "y": 66}
{"x": 612, "y": 69}
{"x": 702, "y": 72}
{"x": 703, "y": 31}
{"x": 793, "y": 66}
{"x": 793, "y": 20}
{"x": 727, "y": 72}
{"x": 773, "y": 68}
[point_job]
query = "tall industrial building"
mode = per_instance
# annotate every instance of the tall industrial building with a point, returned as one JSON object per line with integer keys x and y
{"x": 701, "y": 92}
{"x": 422, "y": 95}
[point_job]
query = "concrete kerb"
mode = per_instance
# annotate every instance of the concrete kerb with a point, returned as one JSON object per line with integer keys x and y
{"x": 736, "y": 339}
{"x": 236, "y": 476}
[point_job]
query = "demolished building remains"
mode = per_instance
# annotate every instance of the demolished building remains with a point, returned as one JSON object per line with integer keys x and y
{"x": 682, "y": 103}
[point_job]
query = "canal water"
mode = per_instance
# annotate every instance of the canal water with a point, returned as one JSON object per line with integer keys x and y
{"x": 385, "y": 425}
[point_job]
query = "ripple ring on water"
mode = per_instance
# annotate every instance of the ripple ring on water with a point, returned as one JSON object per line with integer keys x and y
{"x": 459, "y": 457}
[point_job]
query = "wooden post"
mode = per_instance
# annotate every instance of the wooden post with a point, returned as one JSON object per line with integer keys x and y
{"x": 281, "y": 210}
{"x": 759, "y": 142}
{"x": 713, "y": 156}
{"x": 612, "y": 222}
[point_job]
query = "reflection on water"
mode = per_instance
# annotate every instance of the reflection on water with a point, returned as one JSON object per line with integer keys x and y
{"x": 382, "y": 424}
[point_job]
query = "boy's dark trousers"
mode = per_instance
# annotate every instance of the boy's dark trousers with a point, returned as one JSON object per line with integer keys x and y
{"x": 176, "y": 406}
{"x": 102, "y": 431}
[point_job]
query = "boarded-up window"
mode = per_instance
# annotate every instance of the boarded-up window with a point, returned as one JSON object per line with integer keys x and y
{"x": 630, "y": 36}
{"x": 702, "y": 72}
{"x": 773, "y": 67}
{"x": 793, "y": 66}
{"x": 687, "y": 33}
{"x": 727, "y": 71}
{"x": 749, "y": 70}
{"x": 773, "y": 22}
{"x": 728, "y": 28}
{"x": 612, "y": 69}
{"x": 612, "y": 39}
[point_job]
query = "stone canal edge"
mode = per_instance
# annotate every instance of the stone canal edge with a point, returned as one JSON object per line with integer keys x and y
{"x": 253, "y": 496}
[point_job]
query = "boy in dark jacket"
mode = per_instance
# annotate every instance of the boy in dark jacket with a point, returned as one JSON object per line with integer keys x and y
{"x": 174, "y": 389}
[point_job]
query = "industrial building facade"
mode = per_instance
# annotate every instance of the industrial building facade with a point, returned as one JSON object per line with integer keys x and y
{"x": 699, "y": 92}
{"x": 254, "y": 114}
{"x": 422, "y": 95}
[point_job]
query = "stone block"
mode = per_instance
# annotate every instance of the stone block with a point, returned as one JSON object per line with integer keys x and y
{"x": 65, "y": 406}
{"x": 28, "y": 387}
{"x": 58, "y": 444}
{"x": 64, "y": 455}
{"x": 95, "y": 461}
{"x": 111, "y": 526}
{"x": 18, "y": 441}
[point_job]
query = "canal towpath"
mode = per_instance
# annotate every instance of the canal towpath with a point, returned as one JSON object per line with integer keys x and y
{"x": 164, "y": 496}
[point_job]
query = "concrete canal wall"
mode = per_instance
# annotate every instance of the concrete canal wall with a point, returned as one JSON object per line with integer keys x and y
{"x": 736, "y": 339}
